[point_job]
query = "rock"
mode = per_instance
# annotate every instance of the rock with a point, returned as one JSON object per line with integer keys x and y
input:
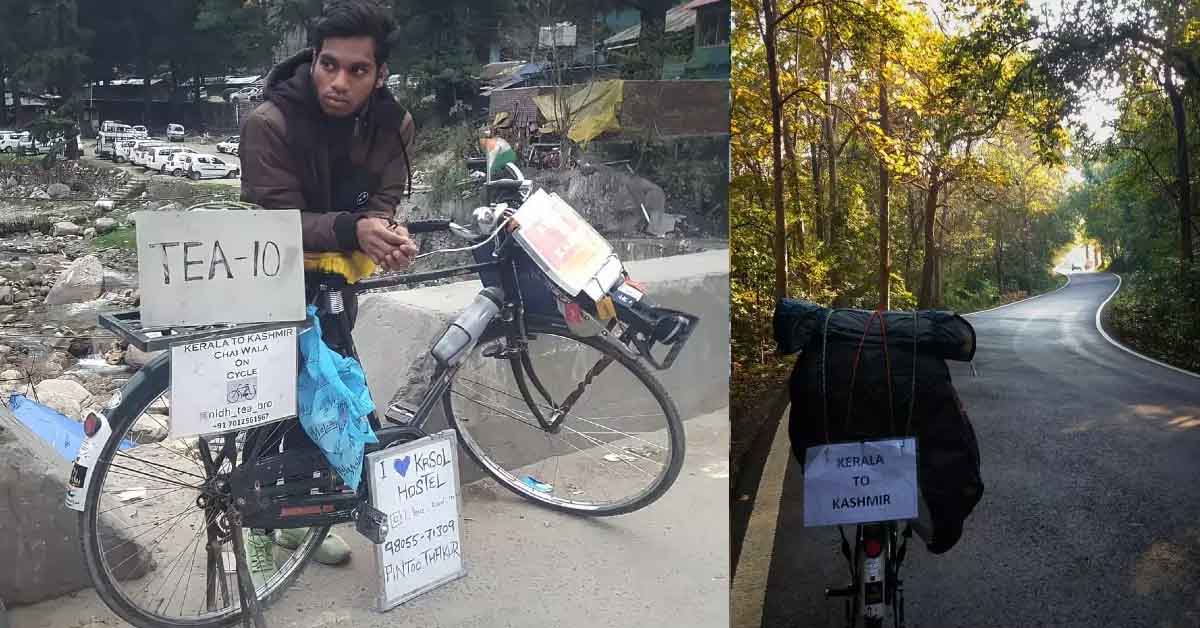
{"x": 12, "y": 318}
{"x": 12, "y": 182}
{"x": 169, "y": 207}
{"x": 149, "y": 429}
{"x": 83, "y": 281}
{"x": 89, "y": 233}
{"x": 104, "y": 225}
{"x": 13, "y": 381}
{"x": 5, "y": 350}
{"x": 137, "y": 358}
{"x": 113, "y": 357}
{"x": 58, "y": 190}
{"x": 105, "y": 204}
{"x": 40, "y": 534}
{"x": 6, "y": 295}
{"x": 34, "y": 280}
{"x": 39, "y": 195}
{"x": 66, "y": 229}
{"x": 28, "y": 265}
{"x": 64, "y": 395}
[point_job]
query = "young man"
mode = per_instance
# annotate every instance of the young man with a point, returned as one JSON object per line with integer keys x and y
{"x": 330, "y": 140}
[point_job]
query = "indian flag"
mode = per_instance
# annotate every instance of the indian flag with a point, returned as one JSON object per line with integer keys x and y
{"x": 499, "y": 154}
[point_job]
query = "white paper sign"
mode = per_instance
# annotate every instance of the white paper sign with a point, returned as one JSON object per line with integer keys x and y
{"x": 233, "y": 383}
{"x": 415, "y": 485}
{"x": 860, "y": 482}
{"x": 208, "y": 267}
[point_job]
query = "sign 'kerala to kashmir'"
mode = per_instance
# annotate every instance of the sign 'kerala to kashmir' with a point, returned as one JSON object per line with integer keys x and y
{"x": 848, "y": 483}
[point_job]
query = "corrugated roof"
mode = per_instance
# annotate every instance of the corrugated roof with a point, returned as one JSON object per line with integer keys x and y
{"x": 678, "y": 19}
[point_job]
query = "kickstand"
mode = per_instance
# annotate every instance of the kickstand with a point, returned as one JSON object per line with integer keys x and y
{"x": 251, "y": 611}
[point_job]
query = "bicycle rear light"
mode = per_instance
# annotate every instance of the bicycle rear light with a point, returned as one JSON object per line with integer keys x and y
{"x": 91, "y": 424}
{"x": 873, "y": 548}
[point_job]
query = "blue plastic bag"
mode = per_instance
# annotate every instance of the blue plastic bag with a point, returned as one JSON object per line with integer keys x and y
{"x": 333, "y": 401}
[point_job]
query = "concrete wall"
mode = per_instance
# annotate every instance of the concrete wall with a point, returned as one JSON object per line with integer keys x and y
{"x": 394, "y": 328}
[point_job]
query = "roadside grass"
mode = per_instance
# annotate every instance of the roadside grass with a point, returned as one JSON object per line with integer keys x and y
{"x": 1153, "y": 315}
{"x": 124, "y": 238}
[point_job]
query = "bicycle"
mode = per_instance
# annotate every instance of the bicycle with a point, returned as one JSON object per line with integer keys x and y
{"x": 532, "y": 437}
{"x": 875, "y": 584}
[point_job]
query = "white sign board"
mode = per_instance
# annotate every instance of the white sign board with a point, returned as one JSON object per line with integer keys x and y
{"x": 864, "y": 482}
{"x": 233, "y": 383}
{"x": 208, "y": 267}
{"x": 415, "y": 486}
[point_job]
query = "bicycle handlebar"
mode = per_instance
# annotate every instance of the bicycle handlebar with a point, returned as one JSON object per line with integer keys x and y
{"x": 428, "y": 225}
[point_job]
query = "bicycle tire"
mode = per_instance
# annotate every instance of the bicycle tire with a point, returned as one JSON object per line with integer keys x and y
{"x": 146, "y": 386}
{"x": 605, "y": 347}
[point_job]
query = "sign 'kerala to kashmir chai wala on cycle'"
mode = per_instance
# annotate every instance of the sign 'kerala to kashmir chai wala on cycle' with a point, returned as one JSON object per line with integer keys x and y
{"x": 233, "y": 383}
{"x": 863, "y": 482}
{"x": 415, "y": 486}
{"x": 209, "y": 267}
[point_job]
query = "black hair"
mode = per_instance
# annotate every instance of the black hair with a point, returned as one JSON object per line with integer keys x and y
{"x": 355, "y": 18}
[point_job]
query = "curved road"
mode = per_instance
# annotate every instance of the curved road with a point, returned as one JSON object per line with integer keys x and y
{"x": 1091, "y": 509}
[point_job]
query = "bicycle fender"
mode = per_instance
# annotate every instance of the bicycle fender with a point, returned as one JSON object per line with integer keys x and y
{"x": 89, "y": 453}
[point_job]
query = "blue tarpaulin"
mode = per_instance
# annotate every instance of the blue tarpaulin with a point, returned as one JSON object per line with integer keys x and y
{"x": 64, "y": 434}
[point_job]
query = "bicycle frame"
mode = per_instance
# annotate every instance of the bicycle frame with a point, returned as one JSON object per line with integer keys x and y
{"x": 875, "y": 574}
{"x": 266, "y": 505}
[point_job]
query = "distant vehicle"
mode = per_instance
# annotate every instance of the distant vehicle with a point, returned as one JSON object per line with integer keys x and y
{"x": 114, "y": 126}
{"x": 244, "y": 94}
{"x": 175, "y": 132}
{"x": 137, "y": 128}
{"x": 160, "y": 157}
{"x": 10, "y": 141}
{"x": 229, "y": 145}
{"x": 201, "y": 166}
{"x": 30, "y": 146}
{"x": 125, "y": 148}
{"x": 141, "y": 153}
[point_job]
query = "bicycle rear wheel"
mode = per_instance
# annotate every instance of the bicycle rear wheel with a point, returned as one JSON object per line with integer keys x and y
{"x": 158, "y": 549}
{"x": 569, "y": 422}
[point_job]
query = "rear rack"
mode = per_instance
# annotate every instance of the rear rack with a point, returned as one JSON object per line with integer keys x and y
{"x": 128, "y": 325}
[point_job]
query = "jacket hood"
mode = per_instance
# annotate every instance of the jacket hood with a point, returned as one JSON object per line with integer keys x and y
{"x": 290, "y": 86}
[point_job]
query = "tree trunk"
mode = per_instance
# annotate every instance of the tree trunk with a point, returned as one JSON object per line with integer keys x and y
{"x": 653, "y": 32}
{"x": 781, "y": 264}
{"x": 885, "y": 257}
{"x": 1182, "y": 167}
{"x": 828, "y": 132}
{"x": 926, "y": 296}
{"x": 3, "y": 95}
{"x": 818, "y": 178}
{"x": 794, "y": 175}
{"x": 912, "y": 238}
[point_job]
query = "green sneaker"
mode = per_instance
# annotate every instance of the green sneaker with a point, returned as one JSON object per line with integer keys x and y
{"x": 290, "y": 538}
{"x": 260, "y": 557}
{"x": 332, "y": 551}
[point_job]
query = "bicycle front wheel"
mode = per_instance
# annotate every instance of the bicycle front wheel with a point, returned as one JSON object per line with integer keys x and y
{"x": 568, "y": 422}
{"x": 156, "y": 538}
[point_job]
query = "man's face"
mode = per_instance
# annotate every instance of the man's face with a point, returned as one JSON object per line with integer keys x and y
{"x": 345, "y": 74}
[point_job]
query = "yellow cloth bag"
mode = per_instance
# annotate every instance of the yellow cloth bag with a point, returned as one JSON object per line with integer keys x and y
{"x": 353, "y": 266}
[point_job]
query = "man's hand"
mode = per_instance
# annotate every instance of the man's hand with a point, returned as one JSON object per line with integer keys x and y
{"x": 387, "y": 246}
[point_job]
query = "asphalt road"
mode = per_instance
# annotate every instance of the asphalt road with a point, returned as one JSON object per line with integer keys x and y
{"x": 1091, "y": 511}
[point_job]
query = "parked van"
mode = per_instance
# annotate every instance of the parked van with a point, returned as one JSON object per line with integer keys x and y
{"x": 175, "y": 132}
{"x": 160, "y": 157}
{"x": 125, "y": 149}
{"x": 10, "y": 141}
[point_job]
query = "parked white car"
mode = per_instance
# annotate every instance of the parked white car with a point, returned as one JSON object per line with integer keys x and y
{"x": 175, "y": 132}
{"x": 246, "y": 94}
{"x": 125, "y": 149}
{"x": 201, "y": 166}
{"x": 160, "y": 157}
{"x": 137, "y": 128}
{"x": 142, "y": 154}
{"x": 10, "y": 141}
{"x": 229, "y": 145}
